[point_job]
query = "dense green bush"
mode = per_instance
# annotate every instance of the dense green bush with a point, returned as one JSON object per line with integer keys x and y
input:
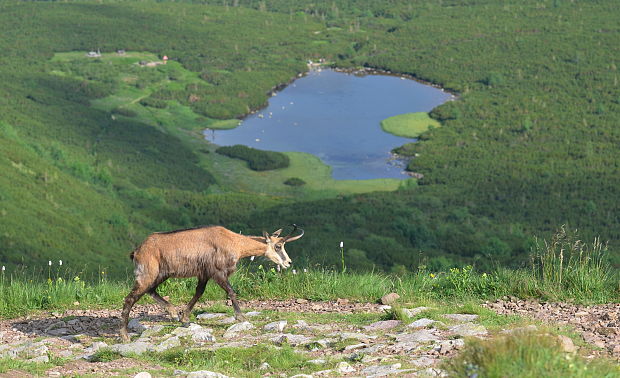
{"x": 258, "y": 160}
{"x": 294, "y": 181}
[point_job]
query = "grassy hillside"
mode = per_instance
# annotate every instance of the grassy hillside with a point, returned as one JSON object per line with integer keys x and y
{"x": 98, "y": 153}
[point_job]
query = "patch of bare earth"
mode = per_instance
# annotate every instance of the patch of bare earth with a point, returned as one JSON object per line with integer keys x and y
{"x": 599, "y": 325}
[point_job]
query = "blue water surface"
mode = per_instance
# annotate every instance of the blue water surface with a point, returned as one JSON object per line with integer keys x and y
{"x": 336, "y": 116}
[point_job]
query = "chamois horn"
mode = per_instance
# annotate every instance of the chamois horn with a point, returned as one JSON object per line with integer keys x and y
{"x": 288, "y": 237}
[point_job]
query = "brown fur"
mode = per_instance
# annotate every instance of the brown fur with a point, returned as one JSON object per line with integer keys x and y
{"x": 207, "y": 253}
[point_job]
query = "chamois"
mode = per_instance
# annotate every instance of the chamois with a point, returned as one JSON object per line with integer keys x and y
{"x": 207, "y": 253}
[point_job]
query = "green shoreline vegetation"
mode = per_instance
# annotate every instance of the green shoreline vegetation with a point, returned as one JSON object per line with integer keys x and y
{"x": 410, "y": 125}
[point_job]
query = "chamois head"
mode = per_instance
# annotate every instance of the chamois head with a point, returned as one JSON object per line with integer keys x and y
{"x": 275, "y": 246}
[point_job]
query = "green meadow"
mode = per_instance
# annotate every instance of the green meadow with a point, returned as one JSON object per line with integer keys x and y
{"x": 410, "y": 125}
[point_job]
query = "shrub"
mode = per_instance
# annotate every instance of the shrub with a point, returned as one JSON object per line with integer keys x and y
{"x": 153, "y": 103}
{"x": 258, "y": 160}
{"x": 294, "y": 181}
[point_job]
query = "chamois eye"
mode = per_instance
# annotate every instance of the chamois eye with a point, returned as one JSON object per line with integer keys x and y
{"x": 278, "y": 246}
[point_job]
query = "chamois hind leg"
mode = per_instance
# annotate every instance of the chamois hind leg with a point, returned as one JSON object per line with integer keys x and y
{"x": 200, "y": 289}
{"x": 224, "y": 284}
{"x": 172, "y": 312}
{"x": 136, "y": 293}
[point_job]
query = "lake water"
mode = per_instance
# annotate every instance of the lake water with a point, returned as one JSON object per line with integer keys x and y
{"x": 336, "y": 116}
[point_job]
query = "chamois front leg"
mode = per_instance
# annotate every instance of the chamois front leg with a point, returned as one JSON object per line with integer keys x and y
{"x": 224, "y": 284}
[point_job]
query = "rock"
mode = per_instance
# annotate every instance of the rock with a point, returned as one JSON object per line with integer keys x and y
{"x": 566, "y": 344}
{"x": 142, "y": 374}
{"x": 468, "y": 329}
{"x": 432, "y": 372}
{"x": 40, "y": 359}
{"x": 65, "y": 353}
{"x": 252, "y": 313}
{"x": 203, "y": 336}
{"x": 264, "y": 366}
{"x": 421, "y": 323}
{"x": 205, "y": 374}
{"x": 59, "y": 332}
{"x": 137, "y": 347}
{"x": 385, "y": 307}
{"x": 53, "y": 374}
{"x": 153, "y": 330}
{"x": 318, "y": 361}
{"x": 344, "y": 368}
{"x": 445, "y": 346}
{"x": 228, "y": 320}
{"x": 389, "y": 299}
{"x": 181, "y": 332}
{"x": 301, "y": 376}
{"x": 381, "y": 370}
{"x": 354, "y": 346}
{"x": 383, "y": 325}
{"x": 136, "y": 326}
{"x": 275, "y": 326}
{"x": 352, "y": 335}
{"x": 170, "y": 342}
{"x": 208, "y": 316}
{"x": 411, "y": 312}
{"x": 424, "y": 361}
{"x": 98, "y": 345}
{"x": 291, "y": 339}
{"x": 235, "y": 329}
{"x": 421, "y": 336}
{"x": 582, "y": 313}
{"x": 461, "y": 318}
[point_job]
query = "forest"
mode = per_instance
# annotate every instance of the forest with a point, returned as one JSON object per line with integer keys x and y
{"x": 530, "y": 145}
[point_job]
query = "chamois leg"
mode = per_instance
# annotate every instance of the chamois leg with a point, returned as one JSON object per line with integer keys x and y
{"x": 136, "y": 293}
{"x": 224, "y": 284}
{"x": 200, "y": 289}
{"x": 172, "y": 312}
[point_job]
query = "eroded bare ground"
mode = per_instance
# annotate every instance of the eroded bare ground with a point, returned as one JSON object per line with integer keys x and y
{"x": 360, "y": 348}
{"x": 599, "y": 325}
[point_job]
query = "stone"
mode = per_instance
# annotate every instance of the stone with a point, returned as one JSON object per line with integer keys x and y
{"x": 182, "y": 332}
{"x": 354, "y": 346}
{"x": 352, "y": 335}
{"x": 153, "y": 330}
{"x": 424, "y": 361}
{"x": 421, "y": 323}
{"x": 468, "y": 329}
{"x": 277, "y": 326}
{"x": 461, "y": 318}
{"x": 65, "y": 353}
{"x": 291, "y": 339}
{"x": 170, "y": 342}
{"x": 59, "y": 331}
{"x": 228, "y": 320}
{"x": 582, "y": 313}
{"x": 389, "y": 299}
{"x": 137, "y": 347}
{"x": 40, "y": 359}
{"x": 432, "y": 372}
{"x": 264, "y": 366}
{"x": 205, "y": 374}
{"x": 143, "y": 374}
{"x": 566, "y": 344}
{"x": 411, "y": 312}
{"x": 383, "y": 325}
{"x": 301, "y": 376}
{"x": 344, "y": 368}
{"x": 379, "y": 370}
{"x": 136, "y": 326}
{"x": 445, "y": 346}
{"x": 209, "y": 316}
{"x": 421, "y": 336}
{"x": 301, "y": 301}
{"x": 318, "y": 361}
{"x": 252, "y": 314}
{"x": 203, "y": 336}
{"x": 235, "y": 329}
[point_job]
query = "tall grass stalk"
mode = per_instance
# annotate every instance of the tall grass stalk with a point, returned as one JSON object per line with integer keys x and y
{"x": 567, "y": 263}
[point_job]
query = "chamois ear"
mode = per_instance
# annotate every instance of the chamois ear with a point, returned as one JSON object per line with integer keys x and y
{"x": 276, "y": 233}
{"x": 266, "y": 236}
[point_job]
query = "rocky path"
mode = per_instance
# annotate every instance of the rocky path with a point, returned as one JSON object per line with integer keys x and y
{"x": 598, "y": 325}
{"x": 340, "y": 338}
